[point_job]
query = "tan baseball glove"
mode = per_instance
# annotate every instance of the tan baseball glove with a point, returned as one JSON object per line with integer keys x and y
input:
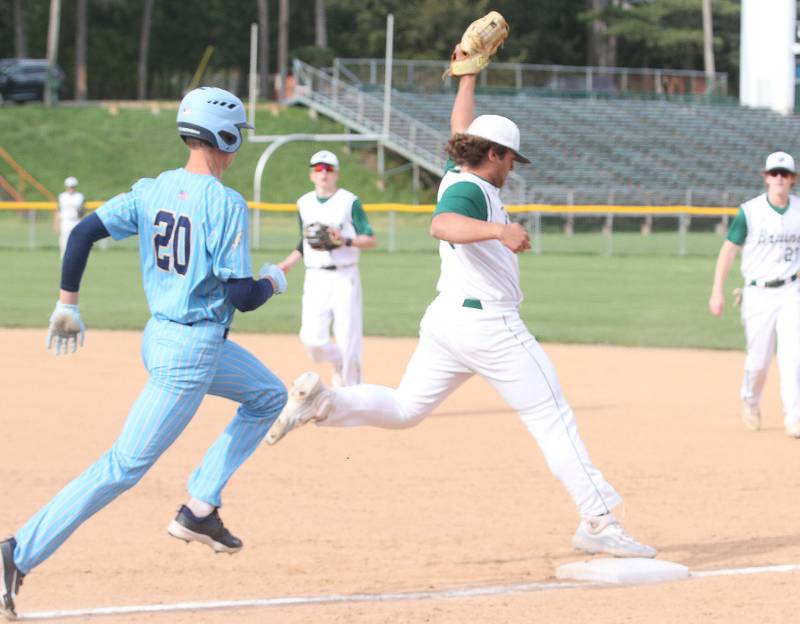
{"x": 322, "y": 236}
{"x": 479, "y": 42}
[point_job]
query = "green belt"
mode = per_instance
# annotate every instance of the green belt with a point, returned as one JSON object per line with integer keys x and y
{"x": 472, "y": 303}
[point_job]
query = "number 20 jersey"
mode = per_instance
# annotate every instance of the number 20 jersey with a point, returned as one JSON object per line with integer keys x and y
{"x": 771, "y": 249}
{"x": 193, "y": 237}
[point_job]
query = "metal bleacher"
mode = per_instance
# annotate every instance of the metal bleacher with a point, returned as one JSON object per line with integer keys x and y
{"x": 585, "y": 150}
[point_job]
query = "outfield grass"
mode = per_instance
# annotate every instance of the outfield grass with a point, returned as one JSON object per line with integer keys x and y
{"x": 573, "y": 298}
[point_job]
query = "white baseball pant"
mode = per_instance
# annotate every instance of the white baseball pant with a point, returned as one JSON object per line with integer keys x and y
{"x": 457, "y": 342}
{"x": 770, "y": 316}
{"x": 333, "y": 297}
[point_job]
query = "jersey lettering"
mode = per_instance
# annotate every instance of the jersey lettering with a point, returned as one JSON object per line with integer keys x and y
{"x": 179, "y": 239}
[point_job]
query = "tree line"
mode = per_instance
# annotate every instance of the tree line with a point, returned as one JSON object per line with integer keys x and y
{"x": 151, "y": 48}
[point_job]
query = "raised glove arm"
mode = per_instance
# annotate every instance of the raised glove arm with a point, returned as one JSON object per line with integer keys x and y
{"x": 322, "y": 236}
{"x": 274, "y": 274}
{"x": 479, "y": 43}
{"x": 66, "y": 329}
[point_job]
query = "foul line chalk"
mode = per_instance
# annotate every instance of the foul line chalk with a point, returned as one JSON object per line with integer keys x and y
{"x": 791, "y": 567}
{"x": 466, "y": 592}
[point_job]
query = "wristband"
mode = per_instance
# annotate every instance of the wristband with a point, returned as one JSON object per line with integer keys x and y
{"x": 348, "y": 242}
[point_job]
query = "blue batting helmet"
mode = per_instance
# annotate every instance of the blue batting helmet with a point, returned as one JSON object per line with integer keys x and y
{"x": 213, "y": 115}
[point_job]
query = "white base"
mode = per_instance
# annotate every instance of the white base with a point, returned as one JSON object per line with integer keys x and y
{"x": 633, "y": 571}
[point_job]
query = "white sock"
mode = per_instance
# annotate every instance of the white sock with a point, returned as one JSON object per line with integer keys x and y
{"x": 199, "y": 508}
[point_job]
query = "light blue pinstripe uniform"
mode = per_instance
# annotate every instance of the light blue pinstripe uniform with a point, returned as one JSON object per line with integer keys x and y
{"x": 192, "y": 239}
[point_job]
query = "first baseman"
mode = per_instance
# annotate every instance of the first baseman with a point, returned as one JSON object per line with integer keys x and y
{"x": 69, "y": 213}
{"x": 334, "y": 229}
{"x": 195, "y": 262}
{"x": 767, "y": 232}
{"x": 474, "y": 327}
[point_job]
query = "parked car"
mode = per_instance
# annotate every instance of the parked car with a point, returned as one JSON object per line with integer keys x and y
{"x": 25, "y": 79}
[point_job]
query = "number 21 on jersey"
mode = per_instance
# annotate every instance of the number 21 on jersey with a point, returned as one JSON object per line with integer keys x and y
{"x": 172, "y": 241}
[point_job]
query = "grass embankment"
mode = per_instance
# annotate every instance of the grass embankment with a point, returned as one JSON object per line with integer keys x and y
{"x": 109, "y": 151}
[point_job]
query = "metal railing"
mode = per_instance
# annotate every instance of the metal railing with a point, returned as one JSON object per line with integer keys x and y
{"x": 363, "y": 112}
{"x": 427, "y": 76}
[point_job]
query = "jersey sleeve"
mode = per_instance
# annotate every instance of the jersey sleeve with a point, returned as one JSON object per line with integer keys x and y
{"x": 464, "y": 198}
{"x": 360, "y": 221}
{"x": 228, "y": 240}
{"x": 120, "y": 214}
{"x": 737, "y": 232}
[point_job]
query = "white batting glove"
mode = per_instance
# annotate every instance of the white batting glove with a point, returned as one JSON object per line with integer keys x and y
{"x": 66, "y": 329}
{"x": 275, "y": 275}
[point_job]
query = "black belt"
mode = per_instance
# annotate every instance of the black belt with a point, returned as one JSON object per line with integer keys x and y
{"x": 224, "y": 335}
{"x": 333, "y": 267}
{"x": 774, "y": 283}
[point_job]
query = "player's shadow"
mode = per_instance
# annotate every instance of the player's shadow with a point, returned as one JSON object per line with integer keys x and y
{"x": 703, "y": 554}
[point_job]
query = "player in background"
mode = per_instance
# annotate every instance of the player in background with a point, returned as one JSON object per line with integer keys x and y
{"x": 473, "y": 327}
{"x": 195, "y": 262}
{"x": 767, "y": 232}
{"x": 332, "y": 285}
{"x": 69, "y": 213}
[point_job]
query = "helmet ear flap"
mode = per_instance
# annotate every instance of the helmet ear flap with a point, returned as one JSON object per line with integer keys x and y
{"x": 229, "y": 138}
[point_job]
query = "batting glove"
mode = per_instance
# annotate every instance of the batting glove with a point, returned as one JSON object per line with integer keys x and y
{"x": 275, "y": 275}
{"x": 66, "y": 329}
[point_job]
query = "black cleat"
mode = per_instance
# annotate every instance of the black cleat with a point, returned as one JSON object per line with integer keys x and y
{"x": 209, "y": 531}
{"x": 10, "y": 579}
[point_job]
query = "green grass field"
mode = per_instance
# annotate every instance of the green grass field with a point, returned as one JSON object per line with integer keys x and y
{"x": 640, "y": 301}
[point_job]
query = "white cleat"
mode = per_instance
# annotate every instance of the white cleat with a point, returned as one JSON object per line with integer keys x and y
{"x": 793, "y": 429}
{"x": 336, "y": 379}
{"x": 751, "y": 416}
{"x": 305, "y": 396}
{"x": 604, "y": 534}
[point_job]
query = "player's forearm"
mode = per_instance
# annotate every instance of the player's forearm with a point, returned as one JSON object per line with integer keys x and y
{"x": 464, "y": 106}
{"x": 727, "y": 254}
{"x": 456, "y": 228}
{"x": 364, "y": 241}
{"x": 289, "y": 261}
{"x": 248, "y": 294}
{"x": 68, "y": 297}
{"x": 85, "y": 234}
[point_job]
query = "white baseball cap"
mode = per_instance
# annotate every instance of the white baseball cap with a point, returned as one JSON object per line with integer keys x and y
{"x": 500, "y": 130}
{"x": 324, "y": 157}
{"x": 71, "y": 182}
{"x": 780, "y": 160}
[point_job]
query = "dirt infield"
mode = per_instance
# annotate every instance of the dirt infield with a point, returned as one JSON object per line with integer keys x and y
{"x": 462, "y": 501}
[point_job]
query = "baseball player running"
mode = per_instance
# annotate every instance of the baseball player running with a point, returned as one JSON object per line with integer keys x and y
{"x": 767, "y": 231}
{"x": 334, "y": 229}
{"x": 195, "y": 263}
{"x": 473, "y": 327}
{"x": 70, "y": 211}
